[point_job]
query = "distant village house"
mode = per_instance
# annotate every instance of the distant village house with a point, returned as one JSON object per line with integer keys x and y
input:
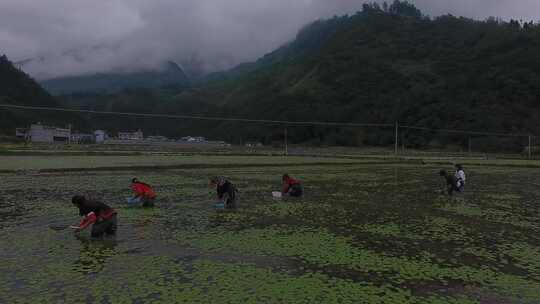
{"x": 197, "y": 139}
{"x": 138, "y": 135}
{"x": 82, "y": 138}
{"x": 100, "y": 136}
{"x": 39, "y": 133}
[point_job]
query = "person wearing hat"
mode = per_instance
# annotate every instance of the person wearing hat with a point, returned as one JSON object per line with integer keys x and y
{"x": 226, "y": 191}
{"x": 100, "y": 216}
{"x": 142, "y": 193}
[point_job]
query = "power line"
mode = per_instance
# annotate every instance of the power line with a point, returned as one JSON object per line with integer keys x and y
{"x": 263, "y": 121}
{"x": 209, "y": 118}
{"x": 465, "y": 132}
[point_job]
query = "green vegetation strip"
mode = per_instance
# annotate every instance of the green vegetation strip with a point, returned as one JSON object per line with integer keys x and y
{"x": 322, "y": 248}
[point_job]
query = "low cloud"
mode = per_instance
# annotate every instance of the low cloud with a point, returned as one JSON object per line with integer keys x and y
{"x": 73, "y": 37}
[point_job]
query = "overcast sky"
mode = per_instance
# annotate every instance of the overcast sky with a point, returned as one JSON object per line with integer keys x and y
{"x": 70, "y": 37}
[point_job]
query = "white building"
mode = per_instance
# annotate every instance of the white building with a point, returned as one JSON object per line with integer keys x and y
{"x": 131, "y": 135}
{"x": 47, "y": 134}
{"x": 100, "y": 136}
{"x": 82, "y": 138}
{"x": 192, "y": 139}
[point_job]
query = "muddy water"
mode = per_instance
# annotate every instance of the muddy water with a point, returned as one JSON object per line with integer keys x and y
{"x": 362, "y": 234}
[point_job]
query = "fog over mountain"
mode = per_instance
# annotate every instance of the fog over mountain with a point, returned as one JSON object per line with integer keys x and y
{"x": 64, "y": 37}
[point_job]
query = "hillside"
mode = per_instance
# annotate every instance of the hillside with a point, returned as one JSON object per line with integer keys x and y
{"x": 386, "y": 65}
{"x": 19, "y": 89}
{"x": 308, "y": 39}
{"x": 170, "y": 75}
{"x": 163, "y": 101}
{"x": 381, "y": 65}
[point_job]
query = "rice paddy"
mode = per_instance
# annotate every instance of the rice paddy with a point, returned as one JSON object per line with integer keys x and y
{"x": 363, "y": 233}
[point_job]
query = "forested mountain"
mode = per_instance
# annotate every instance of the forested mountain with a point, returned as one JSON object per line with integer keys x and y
{"x": 381, "y": 65}
{"x": 309, "y": 39}
{"x": 162, "y": 101}
{"x": 391, "y": 63}
{"x": 169, "y": 75}
{"x": 19, "y": 89}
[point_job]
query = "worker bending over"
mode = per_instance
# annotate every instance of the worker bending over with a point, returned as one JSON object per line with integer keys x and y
{"x": 101, "y": 216}
{"x": 291, "y": 186}
{"x": 451, "y": 182}
{"x": 226, "y": 191}
{"x": 142, "y": 193}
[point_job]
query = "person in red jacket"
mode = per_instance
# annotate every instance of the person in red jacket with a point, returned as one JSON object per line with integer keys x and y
{"x": 143, "y": 193}
{"x": 291, "y": 186}
{"x": 101, "y": 216}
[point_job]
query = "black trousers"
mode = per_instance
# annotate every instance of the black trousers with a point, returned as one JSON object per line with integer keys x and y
{"x": 452, "y": 189}
{"x": 230, "y": 203}
{"x": 107, "y": 226}
{"x": 296, "y": 190}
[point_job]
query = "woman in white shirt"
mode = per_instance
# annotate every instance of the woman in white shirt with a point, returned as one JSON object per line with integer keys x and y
{"x": 461, "y": 178}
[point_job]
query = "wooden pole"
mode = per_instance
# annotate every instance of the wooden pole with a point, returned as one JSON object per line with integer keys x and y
{"x": 286, "y": 144}
{"x": 530, "y": 147}
{"x": 396, "y": 139}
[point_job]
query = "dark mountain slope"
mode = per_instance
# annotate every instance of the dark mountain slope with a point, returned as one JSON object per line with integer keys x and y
{"x": 396, "y": 65}
{"x": 377, "y": 66}
{"x": 163, "y": 101}
{"x": 309, "y": 39}
{"x": 19, "y": 89}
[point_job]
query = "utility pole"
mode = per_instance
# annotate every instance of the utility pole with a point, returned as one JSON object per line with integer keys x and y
{"x": 530, "y": 147}
{"x": 286, "y": 144}
{"x": 396, "y": 139}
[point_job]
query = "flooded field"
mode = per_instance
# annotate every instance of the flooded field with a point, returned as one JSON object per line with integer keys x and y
{"x": 364, "y": 233}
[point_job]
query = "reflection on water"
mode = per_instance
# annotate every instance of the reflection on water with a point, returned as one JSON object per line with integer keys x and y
{"x": 94, "y": 253}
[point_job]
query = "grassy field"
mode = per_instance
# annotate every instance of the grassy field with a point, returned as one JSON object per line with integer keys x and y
{"x": 47, "y": 162}
{"x": 365, "y": 232}
{"x": 21, "y": 163}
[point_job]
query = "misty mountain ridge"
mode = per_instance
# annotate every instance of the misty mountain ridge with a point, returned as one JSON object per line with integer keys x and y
{"x": 18, "y": 88}
{"x": 382, "y": 65}
{"x": 169, "y": 74}
{"x": 308, "y": 39}
{"x": 391, "y": 63}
